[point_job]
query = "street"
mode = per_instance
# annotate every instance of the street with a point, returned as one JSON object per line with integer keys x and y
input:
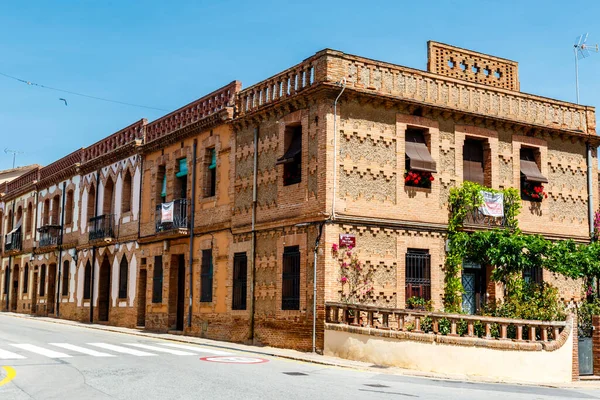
{"x": 44, "y": 360}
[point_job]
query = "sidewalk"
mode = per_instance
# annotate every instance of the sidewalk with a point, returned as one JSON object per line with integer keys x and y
{"x": 586, "y": 383}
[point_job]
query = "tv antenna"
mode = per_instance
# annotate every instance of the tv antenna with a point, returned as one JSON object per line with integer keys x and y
{"x": 582, "y": 50}
{"x": 14, "y": 153}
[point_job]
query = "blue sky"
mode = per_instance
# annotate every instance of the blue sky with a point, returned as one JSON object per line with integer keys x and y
{"x": 166, "y": 54}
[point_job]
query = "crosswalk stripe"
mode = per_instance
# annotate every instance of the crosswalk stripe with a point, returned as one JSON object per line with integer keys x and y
{"x": 7, "y": 355}
{"x": 197, "y": 349}
{"x": 120, "y": 349}
{"x": 160, "y": 349}
{"x": 40, "y": 350}
{"x": 83, "y": 350}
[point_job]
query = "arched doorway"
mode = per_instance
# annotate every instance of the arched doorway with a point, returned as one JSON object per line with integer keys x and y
{"x": 104, "y": 290}
{"x": 15, "y": 288}
{"x": 51, "y": 288}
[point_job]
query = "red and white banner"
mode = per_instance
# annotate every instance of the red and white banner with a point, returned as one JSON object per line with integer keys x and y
{"x": 166, "y": 214}
{"x": 493, "y": 204}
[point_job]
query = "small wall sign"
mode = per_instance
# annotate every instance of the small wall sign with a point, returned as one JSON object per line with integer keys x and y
{"x": 347, "y": 240}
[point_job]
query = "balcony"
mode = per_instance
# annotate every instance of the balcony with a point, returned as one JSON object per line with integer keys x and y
{"x": 49, "y": 235}
{"x": 102, "y": 227}
{"x": 172, "y": 216}
{"x": 481, "y": 218}
{"x": 13, "y": 240}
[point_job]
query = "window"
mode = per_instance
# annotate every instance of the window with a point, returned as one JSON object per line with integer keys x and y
{"x": 9, "y": 221}
{"x": 55, "y": 210}
{"x": 87, "y": 281}
{"x": 473, "y": 162}
{"x": 206, "y": 276}
{"x": 157, "y": 284}
{"x": 43, "y": 281}
{"x": 161, "y": 184}
{"x": 533, "y": 275}
{"x": 290, "y": 284}
{"x": 65, "y": 278}
{"x": 532, "y": 188}
{"x": 418, "y": 274}
{"x": 26, "y": 279}
{"x": 418, "y": 162}
{"x": 46, "y": 213}
{"x": 91, "y": 202}
{"x": 292, "y": 159}
{"x": 29, "y": 218}
{"x": 108, "y": 204}
{"x": 69, "y": 208}
{"x": 123, "y": 273}
{"x": 126, "y": 193}
{"x": 240, "y": 279}
{"x": 210, "y": 173}
{"x": 181, "y": 179}
{"x": 6, "y": 277}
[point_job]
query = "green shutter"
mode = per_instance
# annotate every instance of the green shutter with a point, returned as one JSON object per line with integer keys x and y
{"x": 213, "y": 161}
{"x": 163, "y": 192}
{"x": 183, "y": 169}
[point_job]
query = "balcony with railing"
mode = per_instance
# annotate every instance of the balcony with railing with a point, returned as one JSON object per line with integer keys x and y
{"x": 13, "y": 241}
{"x": 49, "y": 235}
{"x": 172, "y": 216}
{"x": 486, "y": 217}
{"x": 102, "y": 227}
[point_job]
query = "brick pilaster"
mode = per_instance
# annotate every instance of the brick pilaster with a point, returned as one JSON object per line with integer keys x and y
{"x": 596, "y": 343}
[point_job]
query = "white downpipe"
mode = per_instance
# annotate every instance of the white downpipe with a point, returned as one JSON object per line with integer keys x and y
{"x": 341, "y": 83}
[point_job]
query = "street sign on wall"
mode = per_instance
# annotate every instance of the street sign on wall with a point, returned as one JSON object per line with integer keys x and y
{"x": 347, "y": 240}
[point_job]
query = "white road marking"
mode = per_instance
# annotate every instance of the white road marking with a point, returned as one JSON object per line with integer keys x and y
{"x": 197, "y": 349}
{"x": 40, "y": 350}
{"x": 83, "y": 350}
{"x": 120, "y": 349}
{"x": 160, "y": 349}
{"x": 7, "y": 355}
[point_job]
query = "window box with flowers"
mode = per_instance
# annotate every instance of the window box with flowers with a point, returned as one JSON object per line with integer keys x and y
{"x": 532, "y": 180}
{"x": 533, "y": 191}
{"x": 419, "y": 166}
{"x": 418, "y": 179}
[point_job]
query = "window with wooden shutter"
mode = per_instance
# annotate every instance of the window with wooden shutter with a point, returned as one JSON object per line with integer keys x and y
{"x": 473, "y": 162}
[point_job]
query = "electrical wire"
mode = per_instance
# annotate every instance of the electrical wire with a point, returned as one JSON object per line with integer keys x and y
{"x": 79, "y": 94}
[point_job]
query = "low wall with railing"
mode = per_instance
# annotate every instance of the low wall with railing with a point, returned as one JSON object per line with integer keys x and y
{"x": 500, "y": 349}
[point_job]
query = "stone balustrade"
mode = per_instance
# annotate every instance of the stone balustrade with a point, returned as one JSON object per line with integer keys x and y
{"x": 452, "y": 325}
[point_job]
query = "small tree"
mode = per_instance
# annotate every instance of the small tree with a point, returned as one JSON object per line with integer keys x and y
{"x": 356, "y": 279}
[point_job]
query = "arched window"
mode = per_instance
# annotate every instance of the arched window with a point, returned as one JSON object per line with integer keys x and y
{"x": 26, "y": 279}
{"x": 55, "y": 210}
{"x": 9, "y": 221}
{"x": 65, "y": 278}
{"x": 126, "y": 194}
{"x": 123, "y": 274}
{"x": 29, "y": 218}
{"x": 43, "y": 281}
{"x": 69, "y": 208}
{"x": 19, "y": 214}
{"x": 46, "y": 215}
{"x": 91, "y": 202}
{"x": 108, "y": 204}
{"x": 87, "y": 281}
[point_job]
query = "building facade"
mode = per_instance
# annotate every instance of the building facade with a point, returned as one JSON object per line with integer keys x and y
{"x": 214, "y": 220}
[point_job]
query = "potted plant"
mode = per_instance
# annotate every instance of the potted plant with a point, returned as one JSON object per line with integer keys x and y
{"x": 418, "y": 178}
{"x": 534, "y": 191}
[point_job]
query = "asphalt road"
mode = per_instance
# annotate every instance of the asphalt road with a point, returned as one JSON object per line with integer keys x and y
{"x": 43, "y": 360}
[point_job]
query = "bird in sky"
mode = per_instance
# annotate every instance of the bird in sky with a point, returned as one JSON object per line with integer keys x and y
{"x": 65, "y": 100}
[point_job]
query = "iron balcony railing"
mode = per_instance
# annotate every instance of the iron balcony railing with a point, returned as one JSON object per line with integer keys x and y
{"x": 102, "y": 227}
{"x": 12, "y": 241}
{"x": 172, "y": 215}
{"x": 49, "y": 235}
{"x": 476, "y": 217}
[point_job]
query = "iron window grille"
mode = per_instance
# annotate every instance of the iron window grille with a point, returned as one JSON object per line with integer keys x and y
{"x": 533, "y": 275}
{"x": 87, "y": 281}
{"x": 65, "y": 278}
{"x": 418, "y": 274}
{"x": 102, "y": 227}
{"x": 43, "y": 281}
{"x": 157, "y": 281}
{"x": 206, "y": 276}
{"x": 240, "y": 280}
{"x": 26, "y": 279}
{"x": 290, "y": 284}
{"x": 123, "y": 272}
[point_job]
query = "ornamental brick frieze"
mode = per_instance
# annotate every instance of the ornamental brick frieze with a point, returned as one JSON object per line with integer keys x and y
{"x": 367, "y": 185}
{"x": 374, "y": 149}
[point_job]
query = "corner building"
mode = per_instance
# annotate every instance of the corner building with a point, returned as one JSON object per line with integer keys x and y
{"x": 210, "y": 221}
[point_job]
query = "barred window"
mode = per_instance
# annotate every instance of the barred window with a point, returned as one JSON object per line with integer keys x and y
{"x": 42, "y": 281}
{"x": 533, "y": 275}
{"x": 290, "y": 285}
{"x": 418, "y": 274}
{"x": 240, "y": 280}
{"x": 87, "y": 281}
{"x": 65, "y": 278}
{"x": 123, "y": 275}
{"x": 157, "y": 284}
{"x": 206, "y": 276}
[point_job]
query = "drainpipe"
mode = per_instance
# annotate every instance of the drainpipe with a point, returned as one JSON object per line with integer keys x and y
{"x": 253, "y": 249}
{"x": 192, "y": 211}
{"x": 589, "y": 188}
{"x": 314, "y": 327}
{"x": 341, "y": 83}
{"x": 93, "y": 251}
{"x": 62, "y": 223}
{"x": 7, "y": 277}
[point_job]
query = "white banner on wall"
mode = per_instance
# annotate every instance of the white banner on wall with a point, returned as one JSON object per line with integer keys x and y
{"x": 493, "y": 204}
{"x": 166, "y": 214}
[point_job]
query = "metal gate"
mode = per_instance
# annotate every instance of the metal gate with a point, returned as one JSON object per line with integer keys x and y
{"x": 585, "y": 352}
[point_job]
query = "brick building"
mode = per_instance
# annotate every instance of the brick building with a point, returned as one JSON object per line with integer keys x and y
{"x": 211, "y": 219}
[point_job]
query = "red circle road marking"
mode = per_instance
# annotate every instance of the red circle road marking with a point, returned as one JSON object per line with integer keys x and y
{"x": 235, "y": 360}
